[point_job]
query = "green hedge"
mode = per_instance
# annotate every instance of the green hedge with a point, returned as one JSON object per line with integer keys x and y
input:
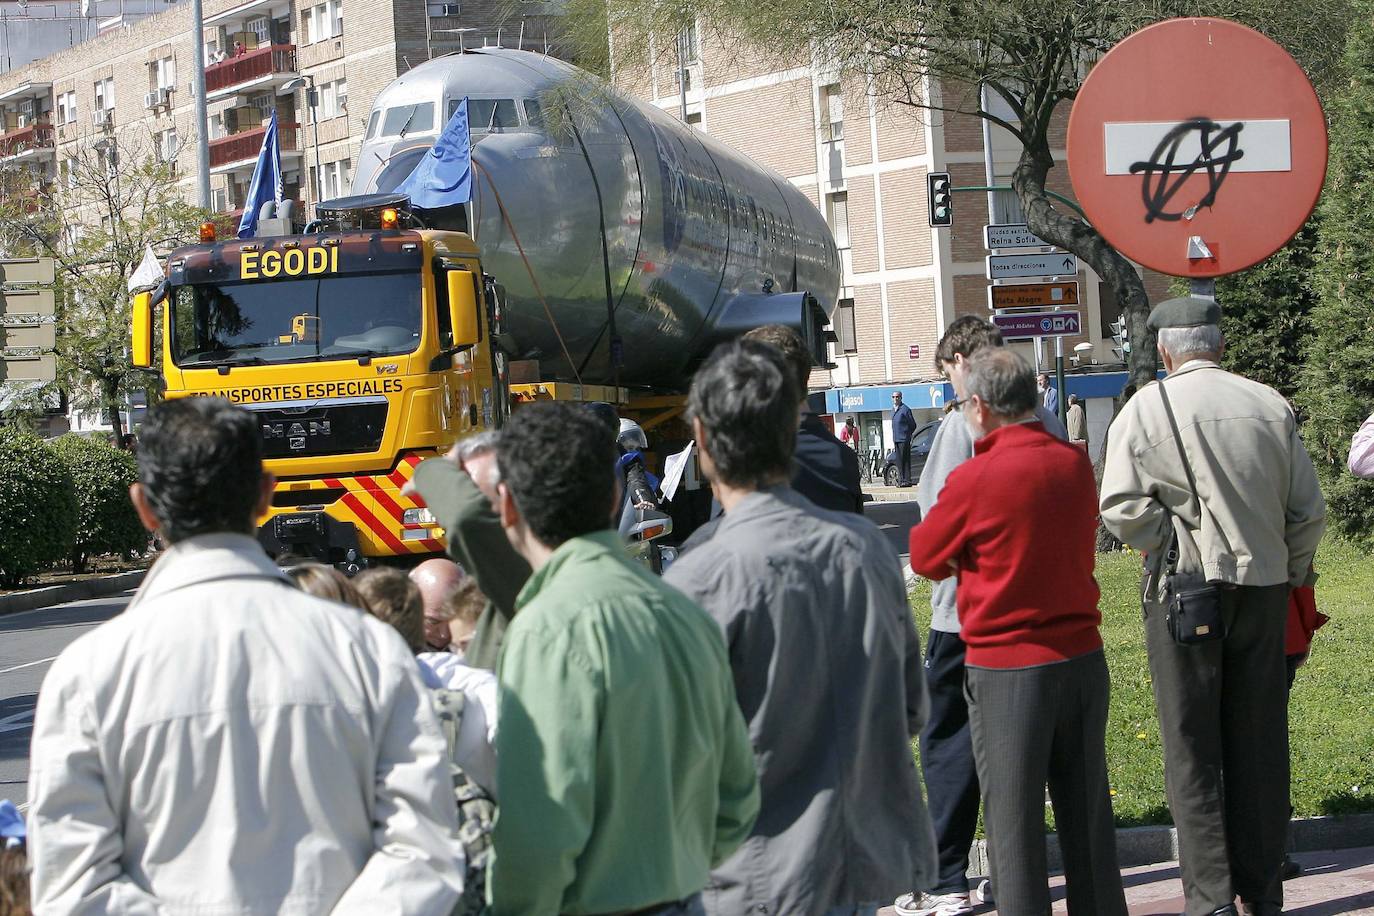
{"x": 38, "y": 509}
{"x": 107, "y": 522}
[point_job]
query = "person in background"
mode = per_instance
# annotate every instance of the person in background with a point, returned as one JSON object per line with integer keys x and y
{"x": 641, "y": 486}
{"x": 826, "y": 660}
{"x": 1018, "y": 521}
{"x": 394, "y": 599}
{"x": 946, "y": 749}
{"x": 460, "y": 489}
{"x": 903, "y": 425}
{"x": 325, "y": 785}
{"x": 1361, "y": 459}
{"x": 1077, "y": 421}
{"x": 849, "y": 434}
{"x": 436, "y": 578}
{"x": 1048, "y": 393}
{"x": 326, "y": 582}
{"x": 823, "y": 469}
{"x": 1206, "y": 474}
{"x": 14, "y": 863}
{"x": 625, "y": 768}
{"x": 463, "y": 611}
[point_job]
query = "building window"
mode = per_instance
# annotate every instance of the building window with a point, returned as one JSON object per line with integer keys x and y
{"x": 333, "y": 99}
{"x": 694, "y": 118}
{"x": 844, "y": 327}
{"x": 68, "y": 173}
{"x": 337, "y": 177}
{"x": 691, "y": 44}
{"x": 324, "y": 21}
{"x": 837, "y": 214}
{"x": 167, "y": 145}
{"x": 832, "y": 113}
{"x": 162, "y": 73}
{"x": 66, "y": 108}
{"x": 105, "y": 94}
{"x": 260, "y": 26}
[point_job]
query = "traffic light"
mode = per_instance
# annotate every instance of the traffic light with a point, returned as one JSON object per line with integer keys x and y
{"x": 1121, "y": 347}
{"x": 941, "y": 200}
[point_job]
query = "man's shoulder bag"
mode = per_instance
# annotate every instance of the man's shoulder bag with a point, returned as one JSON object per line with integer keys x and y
{"x": 1192, "y": 604}
{"x": 476, "y": 809}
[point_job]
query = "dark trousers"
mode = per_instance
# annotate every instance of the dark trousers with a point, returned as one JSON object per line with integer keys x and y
{"x": 1041, "y": 726}
{"x": 904, "y": 461}
{"x": 947, "y": 762}
{"x": 1223, "y": 716}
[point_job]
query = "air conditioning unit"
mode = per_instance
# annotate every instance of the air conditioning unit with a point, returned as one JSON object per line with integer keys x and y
{"x": 150, "y": 101}
{"x": 102, "y": 117}
{"x": 164, "y": 96}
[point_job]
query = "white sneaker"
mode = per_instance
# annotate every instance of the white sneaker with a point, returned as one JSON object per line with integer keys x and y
{"x": 924, "y": 904}
{"x": 983, "y": 893}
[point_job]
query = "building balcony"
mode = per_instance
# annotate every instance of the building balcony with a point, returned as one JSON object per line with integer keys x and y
{"x": 253, "y": 71}
{"x": 30, "y": 142}
{"x": 240, "y": 150}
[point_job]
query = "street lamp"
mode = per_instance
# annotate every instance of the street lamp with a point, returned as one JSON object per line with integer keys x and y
{"x": 312, "y": 98}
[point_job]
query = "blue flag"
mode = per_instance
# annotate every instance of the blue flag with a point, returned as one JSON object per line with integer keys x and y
{"x": 266, "y": 184}
{"x": 444, "y": 177}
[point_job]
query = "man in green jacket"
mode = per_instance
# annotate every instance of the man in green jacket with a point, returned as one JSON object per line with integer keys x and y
{"x": 460, "y": 490}
{"x": 625, "y": 767}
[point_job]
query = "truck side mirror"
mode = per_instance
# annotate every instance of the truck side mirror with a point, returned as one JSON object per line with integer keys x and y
{"x": 142, "y": 345}
{"x": 462, "y": 306}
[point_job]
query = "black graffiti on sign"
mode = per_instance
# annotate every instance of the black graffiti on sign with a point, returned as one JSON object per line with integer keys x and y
{"x": 1164, "y": 177}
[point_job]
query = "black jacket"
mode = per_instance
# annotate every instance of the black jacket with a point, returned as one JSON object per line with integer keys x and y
{"x": 824, "y": 469}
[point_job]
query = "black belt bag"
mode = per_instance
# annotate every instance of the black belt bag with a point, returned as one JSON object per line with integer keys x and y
{"x": 1192, "y": 604}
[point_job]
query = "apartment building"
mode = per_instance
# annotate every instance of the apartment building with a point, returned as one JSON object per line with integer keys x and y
{"x": 129, "y": 91}
{"x": 30, "y": 31}
{"x": 863, "y": 160}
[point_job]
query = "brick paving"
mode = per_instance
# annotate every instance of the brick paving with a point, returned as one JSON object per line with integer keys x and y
{"x": 1336, "y": 881}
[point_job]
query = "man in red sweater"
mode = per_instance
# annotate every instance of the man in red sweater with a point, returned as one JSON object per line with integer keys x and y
{"x": 1018, "y": 522}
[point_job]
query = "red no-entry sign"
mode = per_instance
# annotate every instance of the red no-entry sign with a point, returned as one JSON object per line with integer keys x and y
{"x": 1197, "y": 147}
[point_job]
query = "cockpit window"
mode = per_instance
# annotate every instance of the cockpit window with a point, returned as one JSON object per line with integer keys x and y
{"x": 374, "y": 124}
{"x": 489, "y": 114}
{"x": 404, "y": 120}
{"x": 534, "y": 115}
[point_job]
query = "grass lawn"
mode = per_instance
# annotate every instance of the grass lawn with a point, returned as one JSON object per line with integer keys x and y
{"x": 1331, "y": 713}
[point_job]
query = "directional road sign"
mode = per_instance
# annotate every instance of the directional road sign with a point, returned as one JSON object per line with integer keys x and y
{"x": 1010, "y": 266}
{"x": 27, "y": 270}
{"x": 1197, "y": 147}
{"x": 1033, "y": 295}
{"x": 1002, "y": 236}
{"x": 1038, "y": 324}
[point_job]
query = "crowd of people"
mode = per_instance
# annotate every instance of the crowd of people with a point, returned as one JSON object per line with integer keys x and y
{"x": 539, "y": 725}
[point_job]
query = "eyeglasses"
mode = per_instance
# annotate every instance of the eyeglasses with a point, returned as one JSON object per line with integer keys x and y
{"x": 955, "y": 404}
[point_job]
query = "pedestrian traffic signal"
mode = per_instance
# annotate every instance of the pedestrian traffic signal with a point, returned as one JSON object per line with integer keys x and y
{"x": 941, "y": 200}
{"x": 1121, "y": 346}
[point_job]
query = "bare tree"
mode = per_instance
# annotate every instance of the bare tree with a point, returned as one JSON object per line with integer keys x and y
{"x": 1031, "y": 55}
{"x": 115, "y": 194}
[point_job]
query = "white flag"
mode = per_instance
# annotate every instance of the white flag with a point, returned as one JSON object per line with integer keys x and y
{"x": 149, "y": 273}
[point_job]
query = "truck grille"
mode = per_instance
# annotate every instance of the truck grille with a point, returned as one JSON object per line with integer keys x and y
{"x": 321, "y": 429}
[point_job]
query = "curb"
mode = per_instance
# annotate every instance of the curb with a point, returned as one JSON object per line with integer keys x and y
{"x": 71, "y": 591}
{"x": 1152, "y": 845}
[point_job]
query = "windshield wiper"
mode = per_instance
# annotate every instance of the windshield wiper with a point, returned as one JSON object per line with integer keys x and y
{"x": 224, "y": 358}
{"x": 406, "y": 125}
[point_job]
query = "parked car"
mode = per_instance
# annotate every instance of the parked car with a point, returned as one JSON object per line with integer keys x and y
{"x": 920, "y": 450}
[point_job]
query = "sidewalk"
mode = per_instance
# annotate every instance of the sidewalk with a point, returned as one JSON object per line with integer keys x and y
{"x": 1338, "y": 881}
{"x": 886, "y": 494}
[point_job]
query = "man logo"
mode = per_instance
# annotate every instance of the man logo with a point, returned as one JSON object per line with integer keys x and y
{"x": 387, "y": 368}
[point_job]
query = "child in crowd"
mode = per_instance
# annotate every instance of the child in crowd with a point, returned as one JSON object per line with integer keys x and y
{"x": 14, "y": 864}
{"x": 326, "y": 582}
{"x": 391, "y": 597}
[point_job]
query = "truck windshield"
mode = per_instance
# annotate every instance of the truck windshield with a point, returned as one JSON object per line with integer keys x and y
{"x": 296, "y": 320}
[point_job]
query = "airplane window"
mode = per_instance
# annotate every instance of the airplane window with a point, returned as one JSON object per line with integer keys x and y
{"x": 408, "y": 119}
{"x": 374, "y": 124}
{"x": 489, "y": 114}
{"x": 534, "y": 114}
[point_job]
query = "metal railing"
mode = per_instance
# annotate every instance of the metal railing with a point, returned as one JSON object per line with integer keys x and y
{"x": 35, "y": 136}
{"x": 249, "y": 66}
{"x": 247, "y": 144}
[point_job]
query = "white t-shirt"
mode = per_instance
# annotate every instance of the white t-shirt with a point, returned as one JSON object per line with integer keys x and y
{"x": 476, "y": 751}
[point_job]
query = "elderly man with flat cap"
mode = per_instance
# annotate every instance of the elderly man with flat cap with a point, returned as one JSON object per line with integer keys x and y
{"x": 1206, "y": 475}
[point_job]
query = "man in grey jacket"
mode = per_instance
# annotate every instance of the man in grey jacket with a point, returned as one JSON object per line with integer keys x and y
{"x": 826, "y": 662}
{"x": 1254, "y": 527}
{"x": 229, "y": 744}
{"x": 946, "y": 743}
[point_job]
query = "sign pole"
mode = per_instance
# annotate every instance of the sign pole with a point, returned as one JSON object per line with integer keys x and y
{"x": 1203, "y": 288}
{"x": 1062, "y": 402}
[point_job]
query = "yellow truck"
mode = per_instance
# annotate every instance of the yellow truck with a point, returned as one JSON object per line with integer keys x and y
{"x": 361, "y": 351}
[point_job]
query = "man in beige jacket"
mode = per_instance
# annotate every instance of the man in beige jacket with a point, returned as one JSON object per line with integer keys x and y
{"x": 229, "y": 744}
{"x": 1255, "y": 527}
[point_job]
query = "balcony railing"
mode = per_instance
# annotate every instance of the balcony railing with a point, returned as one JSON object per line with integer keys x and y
{"x": 247, "y": 144}
{"x": 250, "y": 66}
{"x": 35, "y": 136}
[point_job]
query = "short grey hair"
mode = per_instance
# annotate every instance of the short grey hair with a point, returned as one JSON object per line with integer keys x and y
{"x": 480, "y": 444}
{"x": 1002, "y": 380}
{"x": 1203, "y": 339}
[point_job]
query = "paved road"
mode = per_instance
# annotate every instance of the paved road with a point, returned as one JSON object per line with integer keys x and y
{"x": 29, "y": 641}
{"x": 895, "y": 519}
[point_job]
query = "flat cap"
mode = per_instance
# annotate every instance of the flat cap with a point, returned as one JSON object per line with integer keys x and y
{"x": 1184, "y": 312}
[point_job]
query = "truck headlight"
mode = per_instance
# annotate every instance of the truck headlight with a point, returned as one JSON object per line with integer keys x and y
{"x": 417, "y": 517}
